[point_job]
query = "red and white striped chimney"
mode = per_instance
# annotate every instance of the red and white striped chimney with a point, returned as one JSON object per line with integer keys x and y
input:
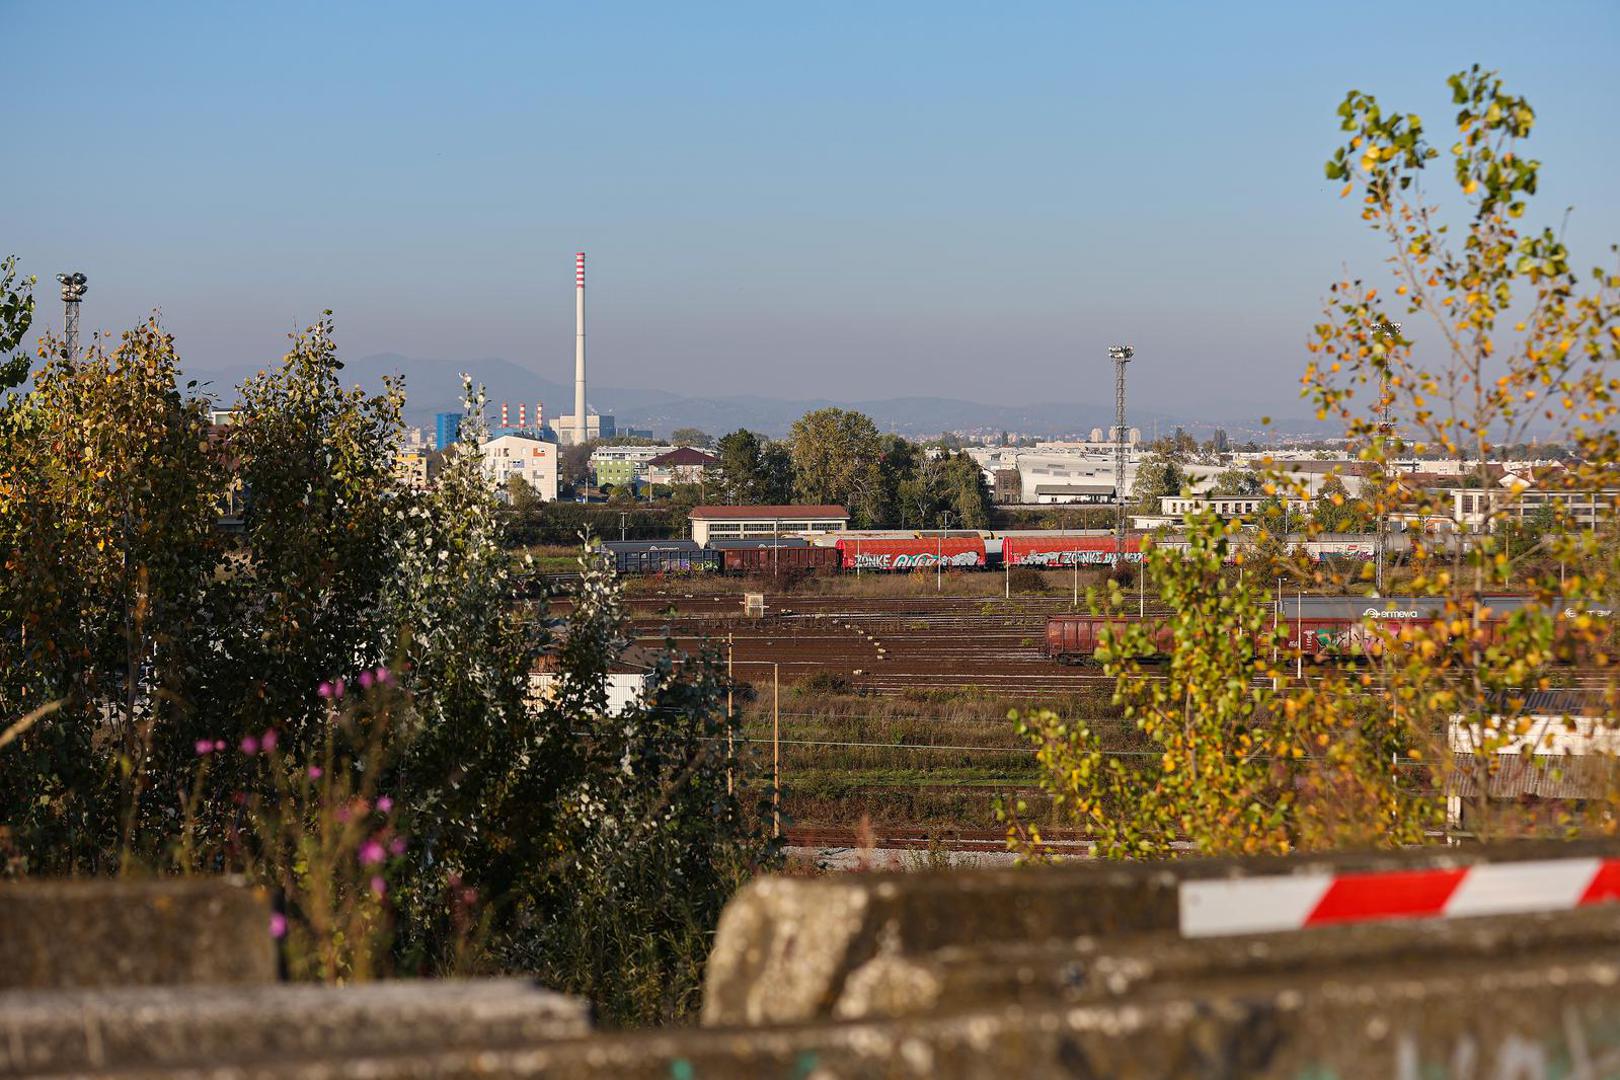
{"x": 504, "y": 424}
{"x": 523, "y": 416}
{"x": 539, "y": 417}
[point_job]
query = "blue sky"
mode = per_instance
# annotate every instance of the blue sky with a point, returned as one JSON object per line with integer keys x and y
{"x": 840, "y": 200}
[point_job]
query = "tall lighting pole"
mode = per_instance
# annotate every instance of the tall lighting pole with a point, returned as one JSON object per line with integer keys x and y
{"x": 1385, "y": 430}
{"x": 1121, "y": 355}
{"x": 73, "y": 290}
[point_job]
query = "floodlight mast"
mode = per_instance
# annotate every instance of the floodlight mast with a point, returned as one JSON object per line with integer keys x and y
{"x": 73, "y": 290}
{"x": 1386, "y": 431}
{"x": 1121, "y": 355}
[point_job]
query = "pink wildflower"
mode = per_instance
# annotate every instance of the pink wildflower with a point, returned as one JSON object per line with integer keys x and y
{"x": 379, "y": 886}
{"x": 365, "y": 680}
{"x": 371, "y": 853}
{"x": 325, "y": 690}
{"x": 384, "y": 676}
{"x": 250, "y": 745}
{"x": 337, "y": 688}
{"x": 267, "y": 741}
{"x": 219, "y": 744}
{"x": 396, "y": 846}
{"x": 278, "y": 925}
{"x": 205, "y": 747}
{"x": 314, "y": 772}
{"x": 469, "y": 897}
{"x": 384, "y": 804}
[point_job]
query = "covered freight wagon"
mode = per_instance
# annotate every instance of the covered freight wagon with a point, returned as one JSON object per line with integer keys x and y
{"x": 1055, "y": 551}
{"x": 965, "y": 552}
{"x": 1073, "y": 639}
{"x": 1351, "y": 626}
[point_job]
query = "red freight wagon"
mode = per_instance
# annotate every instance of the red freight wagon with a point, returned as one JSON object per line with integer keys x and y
{"x": 1066, "y": 550}
{"x": 1072, "y": 639}
{"x": 781, "y": 560}
{"x": 965, "y": 552}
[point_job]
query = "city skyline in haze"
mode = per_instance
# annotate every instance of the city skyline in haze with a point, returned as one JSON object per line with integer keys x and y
{"x": 942, "y": 200}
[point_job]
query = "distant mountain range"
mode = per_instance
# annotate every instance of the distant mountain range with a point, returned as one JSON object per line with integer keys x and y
{"x": 434, "y": 386}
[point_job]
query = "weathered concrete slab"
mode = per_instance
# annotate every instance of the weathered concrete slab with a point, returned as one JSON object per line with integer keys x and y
{"x": 133, "y": 933}
{"x": 67, "y": 1031}
{"x": 786, "y": 945}
{"x": 1092, "y": 969}
{"x": 1523, "y": 1020}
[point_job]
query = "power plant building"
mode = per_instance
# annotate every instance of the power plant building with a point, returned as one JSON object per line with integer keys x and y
{"x": 597, "y": 426}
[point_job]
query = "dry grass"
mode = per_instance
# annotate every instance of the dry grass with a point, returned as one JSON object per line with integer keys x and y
{"x": 935, "y": 760}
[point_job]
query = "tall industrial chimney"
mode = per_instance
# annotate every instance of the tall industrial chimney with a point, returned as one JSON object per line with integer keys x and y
{"x": 504, "y": 423}
{"x": 579, "y": 348}
{"x": 523, "y": 418}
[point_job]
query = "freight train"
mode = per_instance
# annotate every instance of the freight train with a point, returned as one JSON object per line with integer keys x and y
{"x": 1321, "y": 628}
{"x": 899, "y": 550}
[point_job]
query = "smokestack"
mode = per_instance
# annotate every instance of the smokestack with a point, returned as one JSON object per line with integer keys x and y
{"x": 539, "y": 417}
{"x": 504, "y": 424}
{"x": 579, "y": 348}
{"x": 523, "y": 417}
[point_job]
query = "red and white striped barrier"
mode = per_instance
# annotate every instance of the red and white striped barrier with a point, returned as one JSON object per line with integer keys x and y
{"x": 1265, "y": 904}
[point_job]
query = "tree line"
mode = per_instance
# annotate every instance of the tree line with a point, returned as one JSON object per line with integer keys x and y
{"x": 339, "y": 701}
{"x": 838, "y": 456}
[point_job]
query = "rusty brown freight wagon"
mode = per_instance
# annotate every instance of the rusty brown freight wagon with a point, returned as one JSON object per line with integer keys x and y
{"x": 1073, "y": 639}
{"x": 780, "y": 560}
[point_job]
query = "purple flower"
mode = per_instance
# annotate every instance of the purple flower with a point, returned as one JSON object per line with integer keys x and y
{"x": 379, "y": 886}
{"x": 250, "y": 745}
{"x": 371, "y": 853}
{"x": 384, "y": 804}
{"x": 267, "y": 741}
{"x": 219, "y": 744}
{"x": 384, "y": 676}
{"x": 396, "y": 846}
{"x": 365, "y": 680}
{"x": 205, "y": 747}
{"x": 278, "y": 925}
{"x": 337, "y": 688}
{"x": 325, "y": 689}
{"x": 314, "y": 772}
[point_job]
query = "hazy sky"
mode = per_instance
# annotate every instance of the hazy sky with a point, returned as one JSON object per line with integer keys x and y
{"x": 844, "y": 200}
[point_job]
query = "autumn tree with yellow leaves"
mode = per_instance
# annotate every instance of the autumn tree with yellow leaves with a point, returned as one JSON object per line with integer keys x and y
{"x": 1255, "y": 748}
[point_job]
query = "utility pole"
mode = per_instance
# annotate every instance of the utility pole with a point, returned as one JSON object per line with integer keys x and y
{"x": 776, "y": 750}
{"x": 1385, "y": 429}
{"x": 1121, "y": 355}
{"x": 73, "y": 290}
{"x": 731, "y": 685}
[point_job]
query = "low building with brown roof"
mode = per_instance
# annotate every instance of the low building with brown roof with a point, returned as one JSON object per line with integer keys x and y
{"x": 752, "y": 522}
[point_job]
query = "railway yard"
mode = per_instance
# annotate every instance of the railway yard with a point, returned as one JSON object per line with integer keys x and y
{"x": 887, "y": 703}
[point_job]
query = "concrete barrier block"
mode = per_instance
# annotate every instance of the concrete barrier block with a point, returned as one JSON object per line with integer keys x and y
{"x": 1527, "y": 1019}
{"x": 1093, "y": 969}
{"x": 102, "y": 933}
{"x": 163, "y": 1028}
{"x": 785, "y": 945}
